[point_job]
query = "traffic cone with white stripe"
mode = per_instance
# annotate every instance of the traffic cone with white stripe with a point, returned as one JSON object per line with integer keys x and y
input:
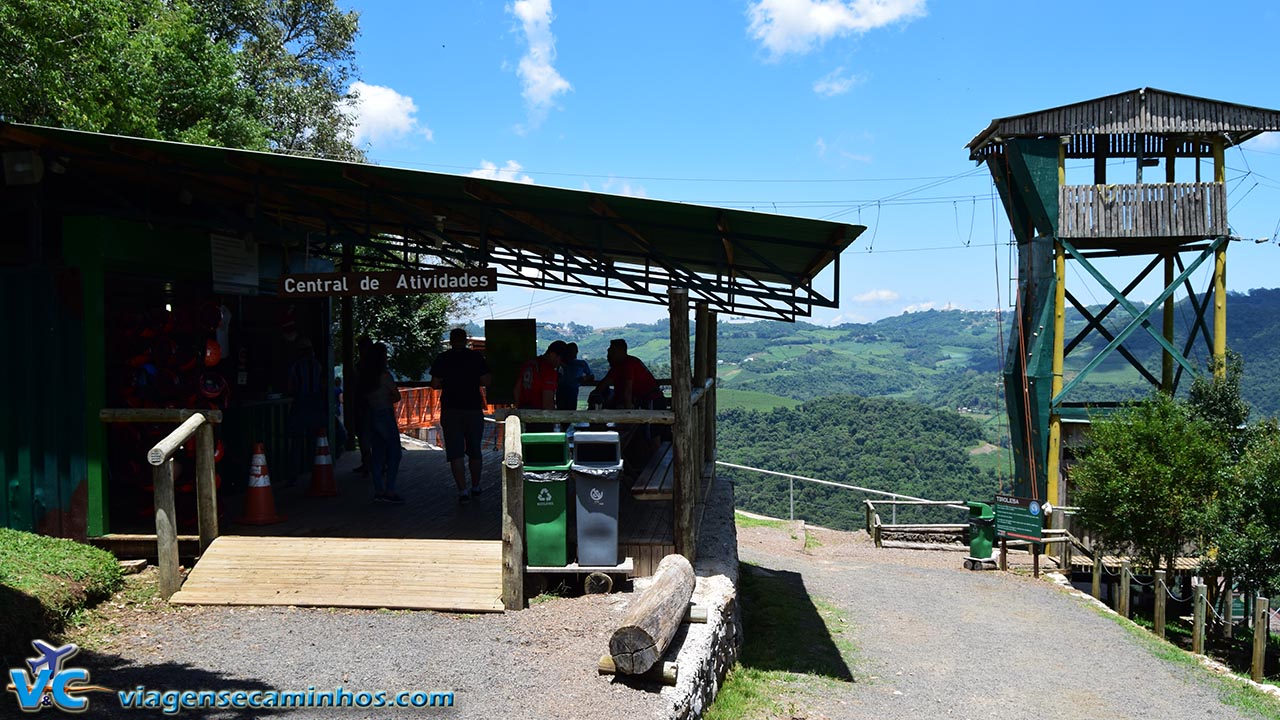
{"x": 259, "y": 502}
{"x": 322, "y": 482}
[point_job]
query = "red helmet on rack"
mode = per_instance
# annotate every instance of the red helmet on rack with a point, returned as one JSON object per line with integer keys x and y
{"x": 212, "y": 353}
{"x": 212, "y": 385}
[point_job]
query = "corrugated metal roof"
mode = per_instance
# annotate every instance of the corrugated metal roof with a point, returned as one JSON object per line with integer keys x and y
{"x": 565, "y": 240}
{"x": 1144, "y": 110}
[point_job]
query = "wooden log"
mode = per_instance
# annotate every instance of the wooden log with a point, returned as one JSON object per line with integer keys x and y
{"x": 597, "y": 583}
{"x": 206, "y": 487}
{"x": 686, "y": 466}
{"x": 666, "y": 673}
{"x": 928, "y": 528}
{"x": 1161, "y": 596}
{"x": 1261, "y": 631}
{"x": 155, "y": 415}
{"x": 654, "y": 617}
{"x": 1004, "y": 554}
{"x": 512, "y": 517}
{"x": 166, "y": 530}
{"x": 870, "y": 510}
{"x": 164, "y": 449}
{"x": 1126, "y": 585}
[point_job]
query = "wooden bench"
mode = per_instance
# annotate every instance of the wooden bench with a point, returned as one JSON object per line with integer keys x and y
{"x": 657, "y": 478}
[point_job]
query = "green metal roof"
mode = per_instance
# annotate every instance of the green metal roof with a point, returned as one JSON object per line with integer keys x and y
{"x": 574, "y": 241}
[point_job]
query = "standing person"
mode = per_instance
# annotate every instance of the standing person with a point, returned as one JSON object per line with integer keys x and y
{"x": 381, "y": 395}
{"x": 307, "y": 412}
{"x": 536, "y": 383}
{"x": 360, "y": 407}
{"x": 340, "y": 422}
{"x": 573, "y": 371}
{"x": 458, "y": 373}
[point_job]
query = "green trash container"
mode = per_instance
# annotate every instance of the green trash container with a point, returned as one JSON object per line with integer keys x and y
{"x": 546, "y": 480}
{"x": 982, "y": 530}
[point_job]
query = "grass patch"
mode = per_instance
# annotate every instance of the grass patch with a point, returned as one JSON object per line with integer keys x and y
{"x": 44, "y": 581}
{"x": 1232, "y": 690}
{"x": 811, "y": 542}
{"x": 751, "y": 400}
{"x": 791, "y": 642}
{"x": 744, "y": 521}
{"x": 94, "y": 627}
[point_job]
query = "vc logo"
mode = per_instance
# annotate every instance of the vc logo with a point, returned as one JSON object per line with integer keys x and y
{"x": 49, "y": 684}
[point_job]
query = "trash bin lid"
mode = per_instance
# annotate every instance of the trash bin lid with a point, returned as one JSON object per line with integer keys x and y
{"x": 980, "y": 510}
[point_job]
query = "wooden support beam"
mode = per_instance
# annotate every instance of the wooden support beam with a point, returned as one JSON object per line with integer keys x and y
{"x": 164, "y": 449}
{"x": 666, "y": 673}
{"x": 1096, "y": 589}
{"x": 166, "y": 530}
{"x": 1261, "y": 631}
{"x": 512, "y": 516}
{"x": 713, "y": 375}
{"x": 685, "y": 466}
{"x": 1197, "y": 624}
{"x": 155, "y": 415}
{"x": 653, "y": 617}
{"x": 206, "y": 487}
{"x": 1126, "y": 587}
{"x": 626, "y": 417}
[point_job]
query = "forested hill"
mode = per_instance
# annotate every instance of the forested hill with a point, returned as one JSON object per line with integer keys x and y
{"x": 942, "y": 359}
{"x": 878, "y": 443}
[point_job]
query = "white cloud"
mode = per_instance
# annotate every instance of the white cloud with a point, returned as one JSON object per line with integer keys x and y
{"x": 509, "y": 172}
{"x": 1267, "y": 142}
{"x": 822, "y": 147}
{"x": 382, "y": 114}
{"x": 539, "y": 79}
{"x": 796, "y": 26}
{"x": 855, "y": 157}
{"x": 876, "y": 296}
{"x": 835, "y": 83}
{"x": 616, "y": 186}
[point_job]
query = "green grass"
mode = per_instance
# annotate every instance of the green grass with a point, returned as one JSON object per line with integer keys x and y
{"x": 792, "y": 642}
{"x": 44, "y": 581}
{"x": 1232, "y": 690}
{"x": 751, "y": 400}
{"x": 744, "y": 521}
{"x": 811, "y": 542}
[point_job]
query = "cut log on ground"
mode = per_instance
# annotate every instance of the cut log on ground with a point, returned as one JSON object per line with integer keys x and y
{"x": 654, "y": 617}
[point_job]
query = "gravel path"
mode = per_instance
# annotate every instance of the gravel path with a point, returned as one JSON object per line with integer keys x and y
{"x": 540, "y": 662}
{"x": 935, "y": 640}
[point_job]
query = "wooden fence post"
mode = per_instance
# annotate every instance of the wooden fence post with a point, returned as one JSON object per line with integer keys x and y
{"x": 1228, "y": 603}
{"x": 1004, "y": 554}
{"x": 1126, "y": 586}
{"x": 1261, "y": 630}
{"x": 685, "y": 466}
{"x": 1064, "y": 548}
{"x": 1097, "y": 573}
{"x": 206, "y": 487}
{"x": 166, "y": 530}
{"x": 1161, "y": 595}
{"x": 709, "y": 420}
{"x": 512, "y": 516}
{"x": 1197, "y": 628}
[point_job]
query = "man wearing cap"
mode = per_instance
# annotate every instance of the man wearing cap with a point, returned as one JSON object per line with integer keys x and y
{"x": 537, "y": 380}
{"x": 459, "y": 373}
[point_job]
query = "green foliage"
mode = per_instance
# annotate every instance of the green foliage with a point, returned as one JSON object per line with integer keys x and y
{"x": 1145, "y": 479}
{"x": 1246, "y": 527}
{"x": 413, "y": 326}
{"x": 1218, "y": 402}
{"x": 255, "y": 74}
{"x": 136, "y": 67}
{"x": 878, "y": 443}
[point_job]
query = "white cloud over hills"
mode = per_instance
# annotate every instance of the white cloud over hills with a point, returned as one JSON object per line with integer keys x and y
{"x": 797, "y": 26}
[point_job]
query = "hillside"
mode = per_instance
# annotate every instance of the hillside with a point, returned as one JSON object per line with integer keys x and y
{"x": 938, "y": 358}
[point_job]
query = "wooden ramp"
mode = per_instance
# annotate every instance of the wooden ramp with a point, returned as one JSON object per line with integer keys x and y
{"x": 457, "y": 575}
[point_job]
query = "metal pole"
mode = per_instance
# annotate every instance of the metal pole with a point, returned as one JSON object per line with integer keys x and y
{"x": 792, "y": 493}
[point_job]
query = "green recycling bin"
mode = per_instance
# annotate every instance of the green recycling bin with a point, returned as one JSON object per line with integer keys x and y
{"x": 546, "y": 515}
{"x": 982, "y": 530}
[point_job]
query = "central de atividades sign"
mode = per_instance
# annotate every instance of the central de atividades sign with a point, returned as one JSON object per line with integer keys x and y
{"x": 388, "y": 283}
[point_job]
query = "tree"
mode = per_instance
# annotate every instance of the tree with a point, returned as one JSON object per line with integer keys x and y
{"x": 146, "y": 68}
{"x": 1247, "y": 518}
{"x": 297, "y": 58}
{"x": 1145, "y": 481}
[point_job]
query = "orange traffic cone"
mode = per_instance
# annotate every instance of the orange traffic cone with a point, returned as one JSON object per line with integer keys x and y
{"x": 322, "y": 482}
{"x": 259, "y": 503}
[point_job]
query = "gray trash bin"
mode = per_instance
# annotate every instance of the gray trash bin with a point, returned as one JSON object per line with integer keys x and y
{"x": 597, "y": 474}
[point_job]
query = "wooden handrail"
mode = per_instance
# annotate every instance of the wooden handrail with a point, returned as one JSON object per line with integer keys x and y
{"x": 193, "y": 422}
{"x": 633, "y": 417}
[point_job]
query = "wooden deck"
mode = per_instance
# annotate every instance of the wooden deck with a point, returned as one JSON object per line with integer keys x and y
{"x": 454, "y": 575}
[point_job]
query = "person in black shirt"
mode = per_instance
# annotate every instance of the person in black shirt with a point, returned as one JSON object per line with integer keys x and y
{"x": 458, "y": 373}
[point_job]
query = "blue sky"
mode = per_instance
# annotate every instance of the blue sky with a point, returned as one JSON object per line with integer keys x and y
{"x": 854, "y": 110}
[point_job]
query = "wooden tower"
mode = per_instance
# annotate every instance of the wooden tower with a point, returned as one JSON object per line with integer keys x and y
{"x": 1175, "y": 225}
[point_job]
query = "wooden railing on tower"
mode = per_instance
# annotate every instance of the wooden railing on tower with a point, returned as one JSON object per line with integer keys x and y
{"x": 1152, "y": 210}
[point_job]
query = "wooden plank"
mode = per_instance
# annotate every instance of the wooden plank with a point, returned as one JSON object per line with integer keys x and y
{"x": 654, "y": 480}
{"x": 348, "y": 572}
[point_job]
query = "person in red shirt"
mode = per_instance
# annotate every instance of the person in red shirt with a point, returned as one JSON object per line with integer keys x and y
{"x": 632, "y": 384}
{"x": 537, "y": 380}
